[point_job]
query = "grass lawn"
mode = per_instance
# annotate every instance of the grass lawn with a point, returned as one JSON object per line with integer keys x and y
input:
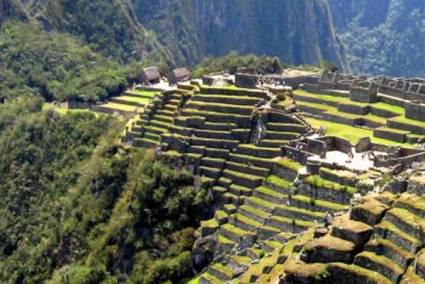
{"x": 140, "y": 100}
{"x": 385, "y": 106}
{"x": 119, "y": 106}
{"x": 146, "y": 94}
{"x": 351, "y": 133}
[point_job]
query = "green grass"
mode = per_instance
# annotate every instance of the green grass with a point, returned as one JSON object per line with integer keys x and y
{"x": 328, "y": 98}
{"x": 280, "y": 182}
{"x": 147, "y": 94}
{"x": 117, "y": 106}
{"x": 351, "y": 133}
{"x": 140, "y": 100}
{"x": 289, "y": 164}
{"x": 319, "y": 182}
{"x": 388, "y": 107}
{"x": 405, "y": 120}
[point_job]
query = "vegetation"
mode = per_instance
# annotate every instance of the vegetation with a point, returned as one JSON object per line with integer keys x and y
{"x": 56, "y": 67}
{"x": 232, "y": 61}
{"x": 75, "y": 208}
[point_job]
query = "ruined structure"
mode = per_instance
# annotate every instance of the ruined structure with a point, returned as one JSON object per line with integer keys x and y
{"x": 292, "y": 204}
{"x": 150, "y": 75}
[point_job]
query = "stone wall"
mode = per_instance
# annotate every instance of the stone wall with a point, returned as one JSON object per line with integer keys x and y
{"x": 415, "y": 110}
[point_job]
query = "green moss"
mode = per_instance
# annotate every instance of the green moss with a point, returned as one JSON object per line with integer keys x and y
{"x": 289, "y": 164}
{"x": 382, "y": 260}
{"x": 319, "y": 182}
{"x": 326, "y": 204}
{"x": 280, "y": 182}
{"x": 270, "y": 192}
{"x": 374, "y": 276}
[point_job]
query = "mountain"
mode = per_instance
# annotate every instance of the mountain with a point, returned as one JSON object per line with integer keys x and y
{"x": 382, "y": 36}
{"x": 171, "y": 32}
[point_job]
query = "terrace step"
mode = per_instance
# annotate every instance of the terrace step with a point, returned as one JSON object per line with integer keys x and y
{"x": 285, "y": 127}
{"x": 213, "y": 173}
{"x": 268, "y": 194}
{"x": 221, "y": 272}
{"x": 243, "y": 179}
{"x": 328, "y": 249}
{"x": 244, "y": 222}
{"x": 408, "y": 222}
{"x": 145, "y": 143}
{"x": 224, "y": 108}
{"x": 236, "y": 234}
{"x": 354, "y": 231}
{"x": 390, "y": 250}
{"x": 380, "y": 264}
{"x": 289, "y": 225}
{"x": 250, "y": 160}
{"x": 261, "y": 204}
{"x": 353, "y": 274}
{"x": 279, "y": 184}
{"x": 226, "y": 99}
{"x": 390, "y": 231}
{"x": 270, "y": 143}
{"x": 253, "y": 213}
{"x": 151, "y": 136}
{"x": 214, "y": 143}
{"x": 239, "y": 190}
{"x": 298, "y": 213}
{"x": 219, "y": 126}
{"x": 163, "y": 118}
{"x": 309, "y": 203}
{"x": 256, "y": 151}
{"x": 214, "y": 134}
{"x": 279, "y": 135}
{"x": 242, "y": 168}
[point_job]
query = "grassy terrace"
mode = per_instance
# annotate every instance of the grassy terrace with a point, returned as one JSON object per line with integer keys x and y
{"x": 140, "y": 100}
{"x": 351, "y": 133}
{"x": 63, "y": 110}
{"x": 139, "y": 93}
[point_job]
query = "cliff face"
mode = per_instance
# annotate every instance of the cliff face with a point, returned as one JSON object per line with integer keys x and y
{"x": 298, "y": 32}
{"x": 183, "y": 32}
{"x": 382, "y": 36}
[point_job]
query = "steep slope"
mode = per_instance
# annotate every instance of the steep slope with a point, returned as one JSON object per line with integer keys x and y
{"x": 382, "y": 37}
{"x": 11, "y": 9}
{"x": 183, "y": 32}
{"x": 110, "y": 27}
{"x": 298, "y": 32}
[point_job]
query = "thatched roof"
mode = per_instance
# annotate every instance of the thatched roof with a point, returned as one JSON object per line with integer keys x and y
{"x": 150, "y": 74}
{"x": 180, "y": 74}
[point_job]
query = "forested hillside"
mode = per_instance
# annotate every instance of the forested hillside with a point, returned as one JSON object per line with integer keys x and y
{"x": 382, "y": 36}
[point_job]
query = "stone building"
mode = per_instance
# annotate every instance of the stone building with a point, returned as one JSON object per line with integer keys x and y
{"x": 179, "y": 75}
{"x": 365, "y": 92}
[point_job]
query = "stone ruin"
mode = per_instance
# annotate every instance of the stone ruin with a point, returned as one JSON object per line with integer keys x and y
{"x": 292, "y": 205}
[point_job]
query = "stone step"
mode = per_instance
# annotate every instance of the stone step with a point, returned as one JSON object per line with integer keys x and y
{"x": 242, "y": 168}
{"x": 152, "y": 136}
{"x": 223, "y": 108}
{"x": 236, "y": 234}
{"x": 164, "y": 112}
{"x": 225, "y": 99}
{"x": 170, "y": 107}
{"x": 306, "y": 202}
{"x": 253, "y": 213}
{"x": 213, "y": 162}
{"x": 261, "y": 204}
{"x": 390, "y": 231}
{"x": 219, "y": 126}
{"x": 286, "y": 127}
{"x": 412, "y": 202}
{"x": 213, "y": 173}
{"x": 221, "y": 272}
{"x": 280, "y": 185}
{"x": 156, "y": 130}
{"x": 207, "y": 278}
{"x": 269, "y": 195}
{"x": 370, "y": 211}
{"x": 243, "y": 121}
{"x": 380, "y": 264}
{"x": 354, "y": 274}
{"x": 214, "y": 143}
{"x": 214, "y": 134}
{"x": 250, "y": 160}
{"x": 217, "y": 153}
{"x": 271, "y": 143}
{"x": 244, "y": 222}
{"x": 298, "y": 213}
{"x": 354, "y": 231}
{"x": 408, "y": 222}
{"x": 288, "y": 225}
{"x": 163, "y": 118}
{"x": 240, "y": 190}
{"x": 390, "y": 250}
{"x": 233, "y": 199}
{"x": 328, "y": 249}
{"x": 256, "y": 151}
{"x": 278, "y": 135}
{"x": 160, "y": 124}
{"x": 243, "y": 179}
{"x": 145, "y": 143}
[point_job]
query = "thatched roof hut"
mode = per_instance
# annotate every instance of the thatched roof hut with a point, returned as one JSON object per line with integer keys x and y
{"x": 150, "y": 75}
{"x": 179, "y": 75}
